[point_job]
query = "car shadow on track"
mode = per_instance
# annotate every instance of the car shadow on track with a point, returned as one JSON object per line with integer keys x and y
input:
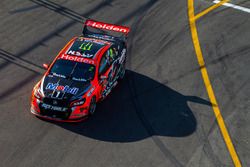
{"x": 139, "y": 108}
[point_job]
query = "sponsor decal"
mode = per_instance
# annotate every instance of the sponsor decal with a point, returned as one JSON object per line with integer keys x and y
{"x": 81, "y": 38}
{"x": 106, "y": 26}
{"x": 86, "y": 46}
{"x": 76, "y": 53}
{"x": 105, "y": 37}
{"x": 78, "y": 59}
{"x": 108, "y": 89}
{"x": 55, "y": 108}
{"x": 97, "y": 41}
{"x": 66, "y": 88}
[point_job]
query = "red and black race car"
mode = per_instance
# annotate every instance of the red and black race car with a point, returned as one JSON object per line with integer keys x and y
{"x": 83, "y": 73}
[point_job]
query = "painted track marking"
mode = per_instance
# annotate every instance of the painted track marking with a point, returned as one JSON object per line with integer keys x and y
{"x": 208, "y": 86}
{"x": 244, "y": 9}
{"x": 206, "y": 11}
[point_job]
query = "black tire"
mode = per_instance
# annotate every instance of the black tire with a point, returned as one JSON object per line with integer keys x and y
{"x": 92, "y": 106}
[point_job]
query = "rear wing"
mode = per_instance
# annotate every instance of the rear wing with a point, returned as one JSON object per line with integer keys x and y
{"x": 105, "y": 27}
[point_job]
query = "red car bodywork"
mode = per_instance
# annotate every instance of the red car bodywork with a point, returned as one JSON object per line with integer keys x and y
{"x": 80, "y": 112}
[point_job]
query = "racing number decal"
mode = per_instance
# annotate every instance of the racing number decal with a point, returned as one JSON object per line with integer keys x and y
{"x": 86, "y": 46}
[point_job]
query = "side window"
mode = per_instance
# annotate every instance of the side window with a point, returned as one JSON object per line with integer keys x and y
{"x": 107, "y": 59}
{"x": 116, "y": 50}
{"x": 111, "y": 55}
{"x": 103, "y": 65}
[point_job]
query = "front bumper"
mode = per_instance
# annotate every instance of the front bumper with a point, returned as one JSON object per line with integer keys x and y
{"x": 75, "y": 114}
{"x": 57, "y": 119}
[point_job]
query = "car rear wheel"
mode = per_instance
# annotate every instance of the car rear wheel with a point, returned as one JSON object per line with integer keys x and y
{"x": 92, "y": 106}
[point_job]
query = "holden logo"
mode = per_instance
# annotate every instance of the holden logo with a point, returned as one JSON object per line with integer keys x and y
{"x": 107, "y": 26}
{"x": 54, "y": 102}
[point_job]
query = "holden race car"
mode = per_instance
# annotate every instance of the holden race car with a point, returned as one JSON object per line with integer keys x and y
{"x": 82, "y": 74}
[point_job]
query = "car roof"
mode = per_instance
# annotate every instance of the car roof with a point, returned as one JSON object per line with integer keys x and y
{"x": 82, "y": 49}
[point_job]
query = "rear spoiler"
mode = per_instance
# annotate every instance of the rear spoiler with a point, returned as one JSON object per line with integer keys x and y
{"x": 105, "y": 26}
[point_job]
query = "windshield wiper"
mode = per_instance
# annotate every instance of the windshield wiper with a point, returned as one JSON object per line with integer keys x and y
{"x": 70, "y": 75}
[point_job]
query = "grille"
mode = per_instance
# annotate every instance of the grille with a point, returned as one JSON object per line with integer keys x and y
{"x": 56, "y": 102}
{"x": 55, "y": 114}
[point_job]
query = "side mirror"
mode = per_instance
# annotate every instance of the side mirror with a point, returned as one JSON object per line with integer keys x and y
{"x": 45, "y": 66}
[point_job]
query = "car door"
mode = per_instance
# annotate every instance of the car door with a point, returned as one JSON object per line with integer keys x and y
{"x": 104, "y": 74}
{"x": 113, "y": 55}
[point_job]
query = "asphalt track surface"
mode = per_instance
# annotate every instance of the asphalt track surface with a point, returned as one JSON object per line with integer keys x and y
{"x": 160, "y": 115}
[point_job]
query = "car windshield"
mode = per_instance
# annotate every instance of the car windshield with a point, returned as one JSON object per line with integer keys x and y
{"x": 73, "y": 70}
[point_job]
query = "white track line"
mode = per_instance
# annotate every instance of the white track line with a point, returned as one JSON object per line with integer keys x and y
{"x": 234, "y": 6}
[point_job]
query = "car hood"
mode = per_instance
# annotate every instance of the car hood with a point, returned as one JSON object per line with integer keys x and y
{"x": 61, "y": 88}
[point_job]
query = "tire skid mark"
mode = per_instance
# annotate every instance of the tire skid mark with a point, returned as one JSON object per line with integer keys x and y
{"x": 146, "y": 124}
{"x": 57, "y": 31}
{"x": 60, "y": 9}
{"x": 10, "y": 58}
{"x": 28, "y": 65}
{"x": 207, "y": 148}
{"x": 27, "y": 146}
{"x": 18, "y": 86}
{"x": 209, "y": 89}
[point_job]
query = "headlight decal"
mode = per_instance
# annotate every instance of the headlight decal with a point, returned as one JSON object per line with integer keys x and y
{"x": 41, "y": 86}
{"x": 78, "y": 103}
